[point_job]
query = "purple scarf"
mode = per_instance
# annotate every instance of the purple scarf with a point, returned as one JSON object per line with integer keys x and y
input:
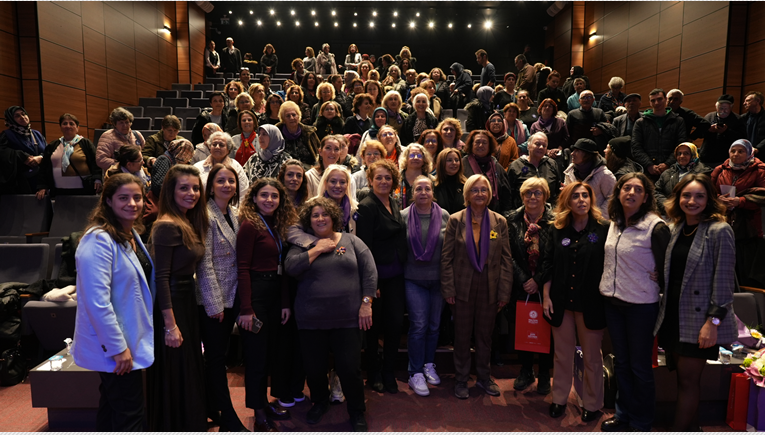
{"x": 415, "y": 232}
{"x": 483, "y": 244}
{"x": 396, "y": 115}
{"x": 475, "y": 163}
{"x": 289, "y": 136}
{"x": 345, "y": 205}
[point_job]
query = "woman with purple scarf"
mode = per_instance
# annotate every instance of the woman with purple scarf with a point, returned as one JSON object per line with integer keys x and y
{"x": 479, "y": 159}
{"x": 477, "y": 279}
{"x": 425, "y": 224}
{"x": 554, "y": 127}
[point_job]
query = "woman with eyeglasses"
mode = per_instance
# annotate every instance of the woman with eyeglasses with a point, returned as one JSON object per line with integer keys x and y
{"x": 433, "y": 142}
{"x": 554, "y": 127}
{"x": 476, "y": 278}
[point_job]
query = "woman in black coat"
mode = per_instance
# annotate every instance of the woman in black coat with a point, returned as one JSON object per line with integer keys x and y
{"x": 359, "y": 122}
{"x": 381, "y": 228}
{"x": 417, "y": 122}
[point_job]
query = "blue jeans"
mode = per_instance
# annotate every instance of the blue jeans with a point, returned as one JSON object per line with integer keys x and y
{"x": 424, "y": 303}
{"x": 631, "y": 328}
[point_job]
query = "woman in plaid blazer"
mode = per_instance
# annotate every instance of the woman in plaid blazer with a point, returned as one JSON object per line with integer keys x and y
{"x": 216, "y": 292}
{"x": 695, "y": 314}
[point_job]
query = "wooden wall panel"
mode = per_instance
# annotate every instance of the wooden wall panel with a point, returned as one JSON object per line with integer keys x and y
{"x": 755, "y": 63}
{"x": 122, "y": 87}
{"x": 695, "y": 10}
{"x": 32, "y": 100}
{"x": 10, "y": 91}
{"x": 146, "y": 41}
{"x": 702, "y": 102}
{"x": 563, "y": 21}
{"x": 120, "y": 57}
{"x": 93, "y": 15}
{"x": 8, "y": 18}
{"x": 615, "y": 48}
{"x": 60, "y": 25}
{"x": 643, "y": 35}
{"x": 643, "y": 87}
{"x": 118, "y": 27}
{"x": 62, "y": 65}
{"x": 125, "y": 8}
{"x": 705, "y": 34}
{"x": 616, "y": 21}
{"x": 593, "y": 12}
{"x": 640, "y": 11}
{"x": 94, "y": 46}
{"x": 615, "y": 69}
{"x": 98, "y": 111}
{"x": 95, "y": 80}
{"x": 642, "y": 64}
{"x": 30, "y": 59}
{"x": 755, "y": 29}
{"x": 691, "y": 78}
{"x": 148, "y": 69}
{"x": 669, "y": 54}
{"x": 671, "y": 22}
{"x": 668, "y": 80}
{"x": 9, "y": 52}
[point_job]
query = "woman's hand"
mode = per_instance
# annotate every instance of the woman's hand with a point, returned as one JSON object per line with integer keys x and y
{"x": 707, "y": 335}
{"x": 99, "y": 186}
{"x": 728, "y": 202}
{"x": 501, "y": 304}
{"x": 547, "y": 305}
{"x": 553, "y": 153}
{"x": 245, "y": 321}
{"x": 286, "y": 312}
{"x": 218, "y": 317}
{"x": 173, "y": 338}
{"x": 124, "y": 362}
{"x": 654, "y": 276}
{"x": 41, "y": 194}
{"x": 325, "y": 245}
{"x": 450, "y": 300}
{"x": 530, "y": 287}
{"x": 365, "y": 317}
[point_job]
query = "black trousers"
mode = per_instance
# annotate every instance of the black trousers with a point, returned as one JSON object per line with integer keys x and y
{"x": 345, "y": 344}
{"x": 121, "y": 407}
{"x": 259, "y": 348}
{"x": 288, "y": 377}
{"x": 388, "y": 319}
{"x": 215, "y": 336}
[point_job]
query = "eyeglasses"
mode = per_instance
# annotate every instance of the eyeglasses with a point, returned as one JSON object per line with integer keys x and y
{"x": 587, "y": 97}
{"x": 496, "y": 121}
{"x": 371, "y": 154}
{"x": 532, "y": 193}
{"x": 387, "y": 134}
{"x": 415, "y": 156}
{"x": 431, "y": 141}
{"x": 217, "y": 145}
{"x": 481, "y": 190}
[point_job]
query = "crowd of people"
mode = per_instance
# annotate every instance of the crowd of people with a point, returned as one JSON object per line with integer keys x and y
{"x": 314, "y": 234}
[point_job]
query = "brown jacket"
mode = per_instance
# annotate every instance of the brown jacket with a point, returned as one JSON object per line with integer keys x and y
{"x": 456, "y": 270}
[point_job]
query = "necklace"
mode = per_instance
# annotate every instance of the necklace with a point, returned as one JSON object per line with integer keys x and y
{"x": 691, "y": 233}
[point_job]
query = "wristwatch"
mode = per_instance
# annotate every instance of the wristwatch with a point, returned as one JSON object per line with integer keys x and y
{"x": 715, "y": 321}
{"x": 367, "y": 300}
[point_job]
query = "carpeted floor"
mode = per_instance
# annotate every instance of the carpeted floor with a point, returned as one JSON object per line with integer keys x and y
{"x": 405, "y": 411}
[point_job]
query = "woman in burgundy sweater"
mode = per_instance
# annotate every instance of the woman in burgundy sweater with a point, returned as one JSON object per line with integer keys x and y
{"x": 265, "y": 215}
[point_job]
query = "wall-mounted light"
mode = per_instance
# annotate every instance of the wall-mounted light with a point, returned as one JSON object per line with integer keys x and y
{"x": 166, "y": 28}
{"x": 593, "y": 34}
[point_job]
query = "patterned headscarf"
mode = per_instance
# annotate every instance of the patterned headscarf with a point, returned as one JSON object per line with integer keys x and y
{"x": 15, "y": 126}
{"x": 180, "y": 151}
{"x": 749, "y": 153}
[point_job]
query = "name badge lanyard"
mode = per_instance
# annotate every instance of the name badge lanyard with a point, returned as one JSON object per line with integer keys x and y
{"x": 278, "y": 244}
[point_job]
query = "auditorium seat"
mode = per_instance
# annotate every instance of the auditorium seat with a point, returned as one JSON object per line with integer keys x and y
{"x": 276, "y": 88}
{"x": 54, "y": 264}
{"x": 204, "y": 87}
{"x": 146, "y": 102}
{"x": 462, "y": 115}
{"x": 282, "y": 75}
{"x": 188, "y": 124}
{"x": 70, "y": 213}
{"x": 181, "y": 86}
{"x": 187, "y": 112}
{"x": 216, "y": 80}
{"x": 745, "y": 307}
{"x": 157, "y": 112}
{"x": 199, "y": 102}
{"x": 13, "y": 240}
{"x": 157, "y": 126}
{"x": 97, "y": 134}
{"x": 167, "y": 94}
{"x": 220, "y": 87}
{"x": 185, "y": 133}
{"x": 192, "y": 94}
{"x": 141, "y": 123}
{"x": 25, "y": 263}
{"x": 51, "y": 322}
{"x": 30, "y": 215}
{"x": 176, "y": 102}
{"x": 447, "y": 113}
{"x": 137, "y": 111}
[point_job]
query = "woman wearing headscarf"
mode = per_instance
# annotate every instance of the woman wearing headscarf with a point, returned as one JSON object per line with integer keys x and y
{"x": 270, "y": 154}
{"x": 21, "y": 153}
{"x": 462, "y": 91}
{"x": 508, "y": 148}
{"x": 178, "y": 151}
{"x": 379, "y": 118}
{"x": 479, "y": 109}
{"x": 746, "y": 174}
{"x": 687, "y": 163}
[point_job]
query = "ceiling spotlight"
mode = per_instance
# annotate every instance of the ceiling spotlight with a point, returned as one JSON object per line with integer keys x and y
{"x": 470, "y": 26}
{"x": 411, "y": 24}
{"x": 334, "y": 13}
{"x": 354, "y": 24}
{"x": 313, "y": 13}
{"x": 335, "y": 23}
{"x": 278, "y": 23}
{"x": 395, "y": 14}
{"x": 297, "y": 23}
{"x": 431, "y": 24}
{"x": 487, "y": 24}
{"x": 355, "y": 14}
{"x": 374, "y": 13}
{"x": 393, "y": 25}
{"x": 240, "y": 22}
{"x": 450, "y": 25}
{"x": 260, "y": 23}
{"x": 272, "y": 12}
{"x": 250, "y": 12}
{"x": 417, "y": 14}
{"x": 292, "y": 12}
{"x": 229, "y": 12}
{"x": 316, "y": 23}
{"x": 371, "y": 24}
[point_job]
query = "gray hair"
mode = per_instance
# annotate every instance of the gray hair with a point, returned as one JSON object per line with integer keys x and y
{"x": 427, "y": 160}
{"x": 616, "y": 81}
{"x": 676, "y": 91}
{"x": 120, "y": 114}
{"x": 540, "y": 134}
{"x": 220, "y": 134}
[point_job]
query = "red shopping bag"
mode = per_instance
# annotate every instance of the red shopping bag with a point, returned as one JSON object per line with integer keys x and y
{"x": 738, "y": 401}
{"x": 532, "y": 332}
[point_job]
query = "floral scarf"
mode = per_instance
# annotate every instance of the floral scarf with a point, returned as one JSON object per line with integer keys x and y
{"x": 531, "y": 239}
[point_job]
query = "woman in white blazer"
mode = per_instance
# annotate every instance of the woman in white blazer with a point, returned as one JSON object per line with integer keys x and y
{"x": 114, "y": 333}
{"x": 216, "y": 293}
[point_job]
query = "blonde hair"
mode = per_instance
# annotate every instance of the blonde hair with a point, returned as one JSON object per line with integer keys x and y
{"x": 563, "y": 211}
{"x": 289, "y": 105}
{"x": 427, "y": 161}
{"x": 536, "y": 182}
{"x": 325, "y": 179}
{"x": 475, "y": 178}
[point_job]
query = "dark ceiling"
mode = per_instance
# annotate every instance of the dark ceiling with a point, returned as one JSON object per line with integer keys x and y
{"x": 514, "y": 25}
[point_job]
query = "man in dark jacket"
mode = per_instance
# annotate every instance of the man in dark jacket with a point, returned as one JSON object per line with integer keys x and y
{"x": 589, "y": 122}
{"x": 232, "y": 57}
{"x": 576, "y": 72}
{"x": 656, "y": 135}
{"x": 725, "y": 128}
{"x": 753, "y": 120}
{"x": 695, "y": 125}
{"x": 462, "y": 88}
{"x": 527, "y": 76}
{"x": 624, "y": 123}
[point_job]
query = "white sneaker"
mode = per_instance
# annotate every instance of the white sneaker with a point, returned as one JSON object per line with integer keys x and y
{"x": 336, "y": 394}
{"x": 418, "y": 385}
{"x": 430, "y": 374}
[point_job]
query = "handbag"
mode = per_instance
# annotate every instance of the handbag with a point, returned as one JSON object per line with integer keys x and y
{"x": 13, "y": 368}
{"x": 532, "y": 334}
{"x": 88, "y": 182}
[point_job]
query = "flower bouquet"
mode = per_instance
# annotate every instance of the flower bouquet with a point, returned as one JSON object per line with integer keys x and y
{"x": 754, "y": 367}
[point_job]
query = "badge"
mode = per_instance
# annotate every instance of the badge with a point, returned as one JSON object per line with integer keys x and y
{"x": 566, "y": 242}
{"x": 592, "y": 237}
{"x": 356, "y": 216}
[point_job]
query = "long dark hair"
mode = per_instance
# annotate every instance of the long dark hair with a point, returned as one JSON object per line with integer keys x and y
{"x": 102, "y": 217}
{"x": 615, "y": 209}
{"x": 209, "y": 188}
{"x": 302, "y": 193}
{"x": 284, "y": 215}
{"x": 194, "y": 223}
